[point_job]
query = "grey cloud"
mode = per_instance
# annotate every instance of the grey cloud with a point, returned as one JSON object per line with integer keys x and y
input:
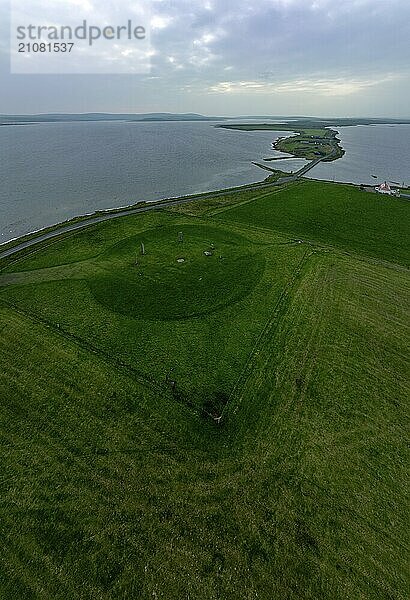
{"x": 202, "y": 45}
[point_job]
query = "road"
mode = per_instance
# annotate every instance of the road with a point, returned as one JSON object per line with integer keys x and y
{"x": 151, "y": 206}
{"x": 303, "y": 170}
{"x": 121, "y": 213}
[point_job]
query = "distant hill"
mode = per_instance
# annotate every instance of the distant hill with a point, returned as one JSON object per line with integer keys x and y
{"x": 61, "y": 117}
{"x": 328, "y": 122}
{"x": 138, "y": 117}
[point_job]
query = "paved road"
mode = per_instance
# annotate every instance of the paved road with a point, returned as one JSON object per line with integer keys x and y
{"x": 151, "y": 206}
{"x": 121, "y": 213}
{"x": 307, "y": 168}
{"x": 304, "y": 169}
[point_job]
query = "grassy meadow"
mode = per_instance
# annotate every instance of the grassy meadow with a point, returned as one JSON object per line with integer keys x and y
{"x": 338, "y": 215}
{"x": 222, "y": 416}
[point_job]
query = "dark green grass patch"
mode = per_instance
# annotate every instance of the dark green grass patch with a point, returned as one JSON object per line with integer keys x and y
{"x": 179, "y": 293}
{"x": 217, "y": 270}
{"x": 168, "y": 322}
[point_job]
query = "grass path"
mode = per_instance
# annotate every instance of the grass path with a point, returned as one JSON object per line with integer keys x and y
{"x": 239, "y": 389}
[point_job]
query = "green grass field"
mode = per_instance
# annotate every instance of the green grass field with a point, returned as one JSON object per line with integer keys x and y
{"x": 338, "y": 215}
{"x": 118, "y": 482}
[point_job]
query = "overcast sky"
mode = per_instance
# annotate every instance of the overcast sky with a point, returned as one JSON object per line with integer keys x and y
{"x": 232, "y": 57}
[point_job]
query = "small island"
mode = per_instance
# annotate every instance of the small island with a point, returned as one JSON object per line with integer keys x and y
{"x": 312, "y": 141}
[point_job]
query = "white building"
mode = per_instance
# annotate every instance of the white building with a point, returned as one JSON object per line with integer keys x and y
{"x": 384, "y": 188}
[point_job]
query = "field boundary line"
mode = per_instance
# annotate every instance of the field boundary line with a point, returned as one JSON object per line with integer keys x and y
{"x": 269, "y": 325}
{"x": 122, "y": 367}
{"x": 230, "y": 206}
{"x": 119, "y": 365}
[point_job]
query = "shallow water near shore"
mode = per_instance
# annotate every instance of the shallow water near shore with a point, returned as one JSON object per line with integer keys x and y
{"x": 382, "y": 151}
{"x": 51, "y": 172}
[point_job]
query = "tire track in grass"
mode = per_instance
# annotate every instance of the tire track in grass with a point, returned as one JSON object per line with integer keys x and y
{"x": 293, "y": 402}
{"x": 236, "y": 395}
{"x": 287, "y": 424}
{"x": 292, "y": 452}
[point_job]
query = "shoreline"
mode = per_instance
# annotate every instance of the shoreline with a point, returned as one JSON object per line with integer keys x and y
{"x": 19, "y": 238}
{"x": 127, "y": 207}
{"x": 302, "y": 140}
{"x": 18, "y": 243}
{"x": 38, "y": 233}
{"x": 53, "y": 232}
{"x": 276, "y": 178}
